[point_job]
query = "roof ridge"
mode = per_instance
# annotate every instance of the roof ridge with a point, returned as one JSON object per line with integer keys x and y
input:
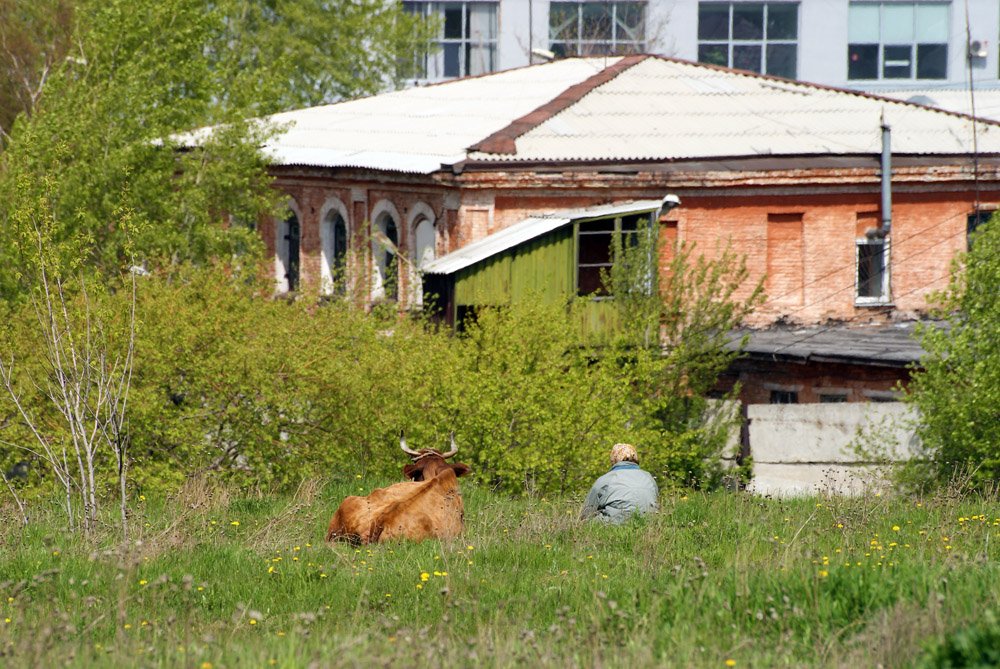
{"x": 824, "y": 87}
{"x": 503, "y": 140}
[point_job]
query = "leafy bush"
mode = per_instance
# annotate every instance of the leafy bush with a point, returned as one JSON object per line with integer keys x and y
{"x": 973, "y": 647}
{"x": 959, "y": 429}
{"x": 228, "y": 380}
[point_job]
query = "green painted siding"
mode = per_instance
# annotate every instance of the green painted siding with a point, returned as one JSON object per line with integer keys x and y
{"x": 543, "y": 267}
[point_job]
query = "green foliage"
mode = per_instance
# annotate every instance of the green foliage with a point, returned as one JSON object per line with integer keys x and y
{"x": 959, "y": 429}
{"x": 137, "y": 74}
{"x": 712, "y": 577}
{"x": 671, "y": 346}
{"x": 538, "y": 412}
{"x": 973, "y": 647}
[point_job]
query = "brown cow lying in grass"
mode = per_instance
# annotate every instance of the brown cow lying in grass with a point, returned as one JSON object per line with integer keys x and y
{"x": 428, "y": 505}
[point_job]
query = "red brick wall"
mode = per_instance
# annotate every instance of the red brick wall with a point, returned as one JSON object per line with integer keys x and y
{"x": 803, "y": 243}
{"x": 860, "y": 383}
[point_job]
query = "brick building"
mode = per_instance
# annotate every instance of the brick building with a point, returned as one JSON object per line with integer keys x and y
{"x": 789, "y": 173}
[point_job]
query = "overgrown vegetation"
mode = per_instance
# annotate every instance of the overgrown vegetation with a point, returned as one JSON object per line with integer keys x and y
{"x": 230, "y": 381}
{"x": 959, "y": 429}
{"x": 242, "y": 578}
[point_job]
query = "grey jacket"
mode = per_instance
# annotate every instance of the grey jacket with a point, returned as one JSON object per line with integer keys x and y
{"x": 624, "y": 490}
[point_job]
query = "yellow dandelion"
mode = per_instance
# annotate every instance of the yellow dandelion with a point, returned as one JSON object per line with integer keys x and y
{"x": 206, "y": 665}
{"x": 143, "y": 582}
{"x": 127, "y": 626}
{"x": 253, "y": 622}
{"x": 730, "y": 663}
{"x": 235, "y": 523}
{"x": 895, "y": 528}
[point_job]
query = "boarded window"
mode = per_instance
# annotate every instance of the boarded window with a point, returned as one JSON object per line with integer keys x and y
{"x": 784, "y": 283}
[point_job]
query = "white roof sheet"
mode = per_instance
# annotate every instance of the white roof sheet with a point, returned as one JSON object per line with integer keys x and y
{"x": 987, "y": 100}
{"x": 656, "y": 109}
{"x": 526, "y": 230}
{"x": 419, "y": 129}
{"x": 662, "y": 109}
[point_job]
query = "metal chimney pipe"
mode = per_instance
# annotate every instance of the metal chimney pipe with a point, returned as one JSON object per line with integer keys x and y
{"x": 886, "y": 180}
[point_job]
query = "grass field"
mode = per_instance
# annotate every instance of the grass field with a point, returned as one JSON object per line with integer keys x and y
{"x": 220, "y": 578}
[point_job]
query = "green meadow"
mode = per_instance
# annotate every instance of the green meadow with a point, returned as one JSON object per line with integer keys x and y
{"x": 219, "y": 577}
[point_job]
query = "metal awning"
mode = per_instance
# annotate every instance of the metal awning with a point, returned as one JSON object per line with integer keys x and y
{"x": 529, "y": 229}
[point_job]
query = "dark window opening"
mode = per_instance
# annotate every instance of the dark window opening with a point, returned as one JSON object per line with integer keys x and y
{"x": 389, "y": 278}
{"x": 862, "y": 61}
{"x": 830, "y": 398}
{"x": 871, "y": 269}
{"x": 594, "y": 250}
{"x": 897, "y": 62}
{"x": 784, "y": 397}
{"x": 292, "y": 238}
{"x": 973, "y": 223}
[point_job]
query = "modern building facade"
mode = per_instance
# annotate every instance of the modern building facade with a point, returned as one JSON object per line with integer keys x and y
{"x": 864, "y": 45}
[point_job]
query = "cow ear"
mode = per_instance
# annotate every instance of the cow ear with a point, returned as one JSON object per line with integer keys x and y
{"x": 412, "y": 472}
{"x": 460, "y": 469}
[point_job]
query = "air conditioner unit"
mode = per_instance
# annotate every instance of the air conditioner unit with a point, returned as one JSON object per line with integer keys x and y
{"x": 978, "y": 49}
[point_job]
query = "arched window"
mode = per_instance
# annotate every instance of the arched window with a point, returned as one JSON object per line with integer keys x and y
{"x": 424, "y": 243}
{"x": 287, "y": 256}
{"x": 334, "y": 239}
{"x": 386, "y": 245}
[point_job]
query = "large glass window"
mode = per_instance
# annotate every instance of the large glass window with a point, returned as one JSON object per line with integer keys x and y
{"x": 755, "y": 36}
{"x": 595, "y": 250}
{"x": 467, "y": 40}
{"x": 897, "y": 40}
{"x": 597, "y": 28}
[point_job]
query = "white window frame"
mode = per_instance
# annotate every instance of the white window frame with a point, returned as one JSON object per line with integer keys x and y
{"x": 431, "y": 66}
{"x": 765, "y": 41}
{"x": 328, "y": 248}
{"x": 884, "y": 41}
{"x": 885, "y": 297}
{"x": 614, "y": 45}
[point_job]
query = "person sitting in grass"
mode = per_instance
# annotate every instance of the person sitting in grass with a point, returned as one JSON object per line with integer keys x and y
{"x": 624, "y": 490}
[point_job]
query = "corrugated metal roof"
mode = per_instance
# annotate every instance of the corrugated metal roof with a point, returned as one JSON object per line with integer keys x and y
{"x": 890, "y": 345}
{"x": 664, "y": 109}
{"x": 987, "y": 101}
{"x": 637, "y": 108}
{"x": 417, "y": 129}
{"x": 526, "y": 230}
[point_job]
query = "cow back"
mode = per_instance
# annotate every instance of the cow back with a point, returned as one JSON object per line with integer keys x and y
{"x": 410, "y": 510}
{"x": 433, "y": 508}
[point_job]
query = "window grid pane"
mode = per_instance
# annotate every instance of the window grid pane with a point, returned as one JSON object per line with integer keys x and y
{"x": 466, "y": 43}
{"x": 596, "y": 28}
{"x": 760, "y": 37}
{"x": 897, "y": 40}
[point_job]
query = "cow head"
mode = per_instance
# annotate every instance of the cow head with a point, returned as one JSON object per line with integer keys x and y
{"x": 429, "y": 462}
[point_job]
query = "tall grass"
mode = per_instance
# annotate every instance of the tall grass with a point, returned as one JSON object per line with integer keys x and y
{"x": 227, "y": 578}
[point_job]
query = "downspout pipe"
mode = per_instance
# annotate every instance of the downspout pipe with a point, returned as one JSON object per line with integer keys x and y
{"x": 886, "y": 180}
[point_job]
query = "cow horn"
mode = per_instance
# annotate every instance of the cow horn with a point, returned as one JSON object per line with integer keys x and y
{"x": 454, "y": 448}
{"x": 402, "y": 445}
